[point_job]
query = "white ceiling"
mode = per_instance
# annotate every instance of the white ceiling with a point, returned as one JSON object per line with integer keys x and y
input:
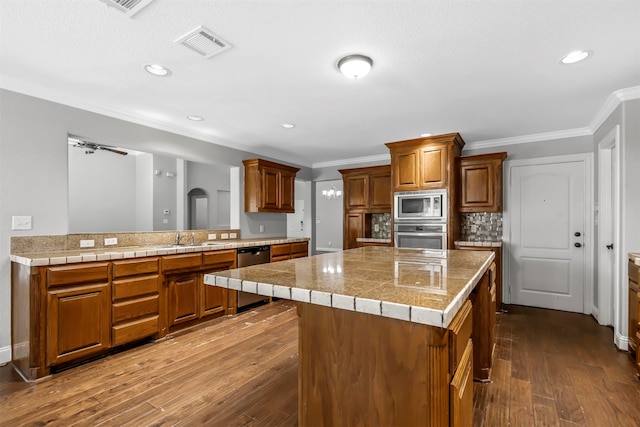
{"x": 486, "y": 69}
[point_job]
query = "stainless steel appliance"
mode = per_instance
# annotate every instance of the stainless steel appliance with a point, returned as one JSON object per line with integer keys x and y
{"x": 416, "y": 206}
{"x": 252, "y": 256}
{"x": 424, "y": 235}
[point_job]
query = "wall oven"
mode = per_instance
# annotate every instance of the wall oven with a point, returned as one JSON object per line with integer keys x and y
{"x": 421, "y": 235}
{"x": 417, "y": 206}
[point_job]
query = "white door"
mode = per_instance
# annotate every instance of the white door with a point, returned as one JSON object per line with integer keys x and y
{"x": 547, "y": 263}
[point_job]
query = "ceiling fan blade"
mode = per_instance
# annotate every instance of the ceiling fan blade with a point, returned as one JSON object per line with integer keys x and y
{"x": 113, "y": 150}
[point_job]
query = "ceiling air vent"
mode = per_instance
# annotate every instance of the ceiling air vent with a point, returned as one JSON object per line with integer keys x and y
{"x": 203, "y": 42}
{"x": 130, "y": 7}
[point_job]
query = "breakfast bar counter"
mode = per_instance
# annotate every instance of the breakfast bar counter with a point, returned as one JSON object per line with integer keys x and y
{"x": 384, "y": 333}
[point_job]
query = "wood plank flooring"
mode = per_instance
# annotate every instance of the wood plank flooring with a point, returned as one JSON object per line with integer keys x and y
{"x": 551, "y": 369}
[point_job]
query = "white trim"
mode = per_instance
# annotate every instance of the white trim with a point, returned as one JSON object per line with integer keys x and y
{"x": 355, "y": 160}
{"x": 5, "y": 354}
{"x": 621, "y": 341}
{"x": 611, "y": 103}
{"x": 589, "y": 229}
{"x": 328, "y": 249}
{"x": 525, "y": 139}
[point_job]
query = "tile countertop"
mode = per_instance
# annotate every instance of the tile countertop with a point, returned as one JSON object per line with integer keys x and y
{"x": 634, "y": 257}
{"x": 372, "y": 240}
{"x": 106, "y": 254}
{"x": 476, "y": 244}
{"x": 416, "y": 285}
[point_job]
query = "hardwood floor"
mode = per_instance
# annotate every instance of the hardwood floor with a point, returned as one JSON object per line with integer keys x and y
{"x": 551, "y": 369}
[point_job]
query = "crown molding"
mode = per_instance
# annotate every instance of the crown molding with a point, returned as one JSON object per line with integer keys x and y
{"x": 353, "y": 161}
{"x": 612, "y": 102}
{"x": 525, "y": 139}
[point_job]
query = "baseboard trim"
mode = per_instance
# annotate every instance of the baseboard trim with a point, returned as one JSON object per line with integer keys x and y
{"x": 622, "y": 342}
{"x": 5, "y": 354}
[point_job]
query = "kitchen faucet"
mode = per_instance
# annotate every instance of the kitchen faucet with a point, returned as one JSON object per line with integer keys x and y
{"x": 178, "y": 237}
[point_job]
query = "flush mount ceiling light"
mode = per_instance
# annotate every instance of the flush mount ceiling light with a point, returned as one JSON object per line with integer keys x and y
{"x": 355, "y": 66}
{"x": 157, "y": 70}
{"x": 576, "y": 56}
{"x": 195, "y": 118}
{"x": 288, "y": 125}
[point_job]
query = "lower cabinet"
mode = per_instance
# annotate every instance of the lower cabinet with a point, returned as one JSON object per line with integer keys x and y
{"x": 183, "y": 298}
{"x": 353, "y": 228}
{"x": 461, "y": 391}
{"x": 79, "y": 322}
{"x": 483, "y": 334}
{"x": 285, "y": 251}
{"x": 634, "y": 310}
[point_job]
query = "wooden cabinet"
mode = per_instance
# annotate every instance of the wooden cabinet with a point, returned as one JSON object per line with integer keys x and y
{"x": 78, "y": 312}
{"x": 183, "y": 298}
{"x": 285, "y": 251}
{"x": 461, "y": 390}
{"x": 268, "y": 186}
{"x": 135, "y": 299}
{"x": 213, "y": 299}
{"x": 496, "y": 273}
{"x": 634, "y": 309}
{"x": 425, "y": 163}
{"x": 364, "y": 244}
{"x": 483, "y": 333}
{"x": 366, "y": 191}
{"x": 481, "y": 183}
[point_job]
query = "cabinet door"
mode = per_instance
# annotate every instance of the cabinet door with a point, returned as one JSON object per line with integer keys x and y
{"x": 183, "y": 298}
{"x": 79, "y": 322}
{"x": 478, "y": 187}
{"x": 380, "y": 185}
{"x": 354, "y": 229}
{"x": 461, "y": 391}
{"x": 433, "y": 167}
{"x": 214, "y": 299}
{"x": 287, "y": 191}
{"x": 406, "y": 170}
{"x": 356, "y": 192}
{"x": 270, "y": 188}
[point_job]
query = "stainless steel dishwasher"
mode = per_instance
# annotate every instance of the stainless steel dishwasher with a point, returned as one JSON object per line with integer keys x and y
{"x": 252, "y": 256}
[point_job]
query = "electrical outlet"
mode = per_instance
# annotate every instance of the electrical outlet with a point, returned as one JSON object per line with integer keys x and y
{"x": 261, "y": 228}
{"x": 224, "y": 236}
{"x": 212, "y": 236}
{"x": 111, "y": 241}
{"x": 21, "y": 223}
{"x": 87, "y": 243}
{"x": 233, "y": 235}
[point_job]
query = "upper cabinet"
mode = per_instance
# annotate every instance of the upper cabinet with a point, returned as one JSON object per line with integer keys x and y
{"x": 367, "y": 188}
{"x": 481, "y": 183}
{"x": 424, "y": 163}
{"x": 268, "y": 186}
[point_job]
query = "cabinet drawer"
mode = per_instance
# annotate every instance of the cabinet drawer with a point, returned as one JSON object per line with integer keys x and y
{"x": 134, "y": 267}
{"x": 461, "y": 391}
{"x": 179, "y": 262}
{"x": 279, "y": 250}
{"x": 135, "y": 308}
{"x": 73, "y": 274}
{"x": 135, "y": 287}
{"x": 299, "y": 249}
{"x": 135, "y": 330}
{"x": 460, "y": 332}
{"x": 220, "y": 257}
{"x": 280, "y": 258}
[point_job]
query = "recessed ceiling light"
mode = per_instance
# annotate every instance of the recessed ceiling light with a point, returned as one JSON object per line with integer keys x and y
{"x": 355, "y": 66}
{"x": 288, "y": 125}
{"x": 424, "y": 135}
{"x": 157, "y": 70}
{"x": 195, "y": 118}
{"x": 575, "y": 56}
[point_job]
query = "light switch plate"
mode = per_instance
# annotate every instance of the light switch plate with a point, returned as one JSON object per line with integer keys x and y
{"x": 212, "y": 236}
{"x": 111, "y": 241}
{"x": 21, "y": 222}
{"x": 233, "y": 235}
{"x": 224, "y": 236}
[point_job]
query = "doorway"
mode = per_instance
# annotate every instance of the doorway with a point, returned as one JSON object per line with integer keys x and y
{"x": 549, "y": 226}
{"x": 198, "y": 209}
{"x": 608, "y": 289}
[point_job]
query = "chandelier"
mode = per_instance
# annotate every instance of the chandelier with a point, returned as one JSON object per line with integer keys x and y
{"x": 332, "y": 193}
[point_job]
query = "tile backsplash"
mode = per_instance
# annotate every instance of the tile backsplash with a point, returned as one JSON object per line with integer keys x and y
{"x": 383, "y": 223}
{"x": 481, "y": 227}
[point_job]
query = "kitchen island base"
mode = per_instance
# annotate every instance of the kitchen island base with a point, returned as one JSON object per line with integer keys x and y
{"x": 360, "y": 369}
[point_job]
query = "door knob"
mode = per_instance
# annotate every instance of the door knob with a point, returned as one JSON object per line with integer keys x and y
{"x": 577, "y": 245}
{"x": 577, "y": 234}
{"x": 610, "y": 246}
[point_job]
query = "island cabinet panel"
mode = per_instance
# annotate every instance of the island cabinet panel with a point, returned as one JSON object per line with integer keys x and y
{"x": 135, "y": 300}
{"x": 360, "y": 369}
{"x": 496, "y": 272}
{"x": 461, "y": 327}
{"x": 634, "y": 310}
{"x": 79, "y": 320}
{"x": 482, "y": 329}
{"x": 268, "y": 186}
{"x": 481, "y": 182}
{"x": 461, "y": 390}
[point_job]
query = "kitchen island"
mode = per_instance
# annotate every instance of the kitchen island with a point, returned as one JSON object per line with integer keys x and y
{"x": 384, "y": 333}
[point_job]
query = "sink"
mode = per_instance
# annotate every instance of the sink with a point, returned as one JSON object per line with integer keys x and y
{"x": 168, "y": 246}
{"x": 213, "y": 243}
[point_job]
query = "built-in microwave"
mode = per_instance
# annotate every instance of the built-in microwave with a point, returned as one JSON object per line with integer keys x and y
{"x": 420, "y": 205}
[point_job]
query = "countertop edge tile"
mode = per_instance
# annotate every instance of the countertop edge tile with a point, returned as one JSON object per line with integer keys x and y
{"x": 344, "y": 302}
{"x": 265, "y": 289}
{"x": 369, "y": 306}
